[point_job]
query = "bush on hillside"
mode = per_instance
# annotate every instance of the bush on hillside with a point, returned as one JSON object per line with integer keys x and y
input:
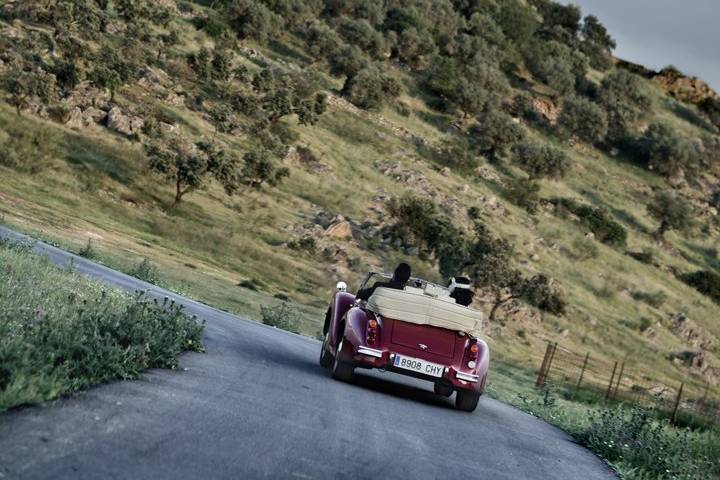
{"x": 525, "y": 193}
{"x": 672, "y": 211}
{"x": 704, "y": 281}
{"x": 667, "y": 152}
{"x": 541, "y": 160}
{"x": 371, "y": 88}
{"x": 625, "y": 99}
{"x": 583, "y": 118}
{"x": 597, "y": 220}
{"x": 283, "y": 316}
{"x": 494, "y": 133}
{"x": 252, "y": 20}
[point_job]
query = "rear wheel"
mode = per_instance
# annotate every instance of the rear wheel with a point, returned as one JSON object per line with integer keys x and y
{"x": 326, "y": 358}
{"x": 466, "y": 400}
{"x": 443, "y": 389}
{"x": 342, "y": 370}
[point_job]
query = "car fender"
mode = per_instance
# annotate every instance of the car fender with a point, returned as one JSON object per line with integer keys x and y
{"x": 354, "y": 330}
{"x": 339, "y": 306}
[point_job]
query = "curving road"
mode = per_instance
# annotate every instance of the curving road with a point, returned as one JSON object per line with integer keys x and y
{"x": 257, "y": 405}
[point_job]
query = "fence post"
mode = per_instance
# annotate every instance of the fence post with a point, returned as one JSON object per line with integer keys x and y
{"x": 677, "y": 402}
{"x": 612, "y": 379}
{"x": 582, "y": 371}
{"x": 617, "y": 384}
{"x": 549, "y": 365}
{"x": 541, "y": 373}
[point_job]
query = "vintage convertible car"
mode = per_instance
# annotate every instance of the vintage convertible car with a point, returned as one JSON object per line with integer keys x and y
{"x": 419, "y": 331}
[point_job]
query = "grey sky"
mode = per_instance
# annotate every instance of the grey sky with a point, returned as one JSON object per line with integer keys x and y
{"x": 656, "y": 33}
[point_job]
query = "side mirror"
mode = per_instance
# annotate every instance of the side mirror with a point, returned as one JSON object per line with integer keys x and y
{"x": 341, "y": 286}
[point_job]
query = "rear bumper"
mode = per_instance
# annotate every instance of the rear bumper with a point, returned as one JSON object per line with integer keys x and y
{"x": 367, "y": 357}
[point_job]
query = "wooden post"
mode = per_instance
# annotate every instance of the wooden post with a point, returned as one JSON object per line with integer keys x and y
{"x": 617, "y": 384}
{"x": 612, "y": 379}
{"x": 677, "y": 402}
{"x": 541, "y": 373}
{"x": 582, "y": 371}
{"x": 549, "y": 365}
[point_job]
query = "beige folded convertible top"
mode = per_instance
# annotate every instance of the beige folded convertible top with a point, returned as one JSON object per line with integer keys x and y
{"x": 425, "y": 307}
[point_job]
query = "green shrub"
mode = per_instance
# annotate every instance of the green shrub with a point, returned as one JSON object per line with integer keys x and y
{"x": 653, "y": 299}
{"x": 672, "y": 211}
{"x": 667, "y": 152}
{"x": 704, "y": 281}
{"x": 62, "y": 332}
{"x": 583, "y": 118}
{"x": 371, "y": 88}
{"x": 625, "y": 99}
{"x": 88, "y": 251}
{"x": 494, "y": 133}
{"x": 541, "y": 160}
{"x": 525, "y": 193}
{"x": 283, "y": 316}
{"x": 146, "y": 272}
{"x": 304, "y": 244}
{"x": 646, "y": 256}
{"x": 597, "y": 220}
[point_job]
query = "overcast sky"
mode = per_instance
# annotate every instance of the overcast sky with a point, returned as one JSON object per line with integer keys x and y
{"x": 657, "y": 33}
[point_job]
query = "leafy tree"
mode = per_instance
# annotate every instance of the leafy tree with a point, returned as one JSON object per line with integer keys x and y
{"x": 584, "y": 118}
{"x": 711, "y": 107}
{"x": 321, "y": 41}
{"x": 251, "y": 19}
{"x": 541, "y": 160}
{"x": 517, "y": 21}
{"x": 494, "y": 133}
{"x": 24, "y": 87}
{"x": 361, "y": 34}
{"x": 221, "y": 65}
{"x": 623, "y": 96}
{"x": 411, "y": 47}
{"x": 560, "y": 22}
{"x": 668, "y": 152}
{"x": 349, "y": 61}
{"x": 189, "y": 166}
{"x": 673, "y": 212}
{"x": 259, "y": 169}
{"x": 112, "y": 70}
{"x": 201, "y": 63}
{"x": 66, "y": 74}
{"x": 371, "y": 88}
{"x": 597, "y": 43}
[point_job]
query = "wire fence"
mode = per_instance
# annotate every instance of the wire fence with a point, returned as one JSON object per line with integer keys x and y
{"x": 691, "y": 401}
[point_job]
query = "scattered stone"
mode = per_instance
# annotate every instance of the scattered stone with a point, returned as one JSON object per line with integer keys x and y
{"x": 341, "y": 229}
{"x": 122, "y": 123}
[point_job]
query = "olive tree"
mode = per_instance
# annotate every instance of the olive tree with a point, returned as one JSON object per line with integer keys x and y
{"x": 541, "y": 160}
{"x": 583, "y": 118}
{"x": 668, "y": 152}
{"x": 672, "y": 211}
{"x": 189, "y": 166}
{"x": 24, "y": 87}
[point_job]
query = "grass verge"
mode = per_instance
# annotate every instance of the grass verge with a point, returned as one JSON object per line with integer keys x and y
{"x": 633, "y": 440}
{"x": 62, "y": 332}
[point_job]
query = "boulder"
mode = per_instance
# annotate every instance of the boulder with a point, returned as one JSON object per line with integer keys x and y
{"x": 122, "y": 123}
{"x": 341, "y": 229}
{"x": 75, "y": 118}
{"x": 93, "y": 115}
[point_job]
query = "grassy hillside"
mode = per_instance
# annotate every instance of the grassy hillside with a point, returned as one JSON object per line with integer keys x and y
{"x": 71, "y": 179}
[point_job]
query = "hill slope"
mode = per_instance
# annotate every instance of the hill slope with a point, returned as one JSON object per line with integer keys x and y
{"x": 456, "y": 105}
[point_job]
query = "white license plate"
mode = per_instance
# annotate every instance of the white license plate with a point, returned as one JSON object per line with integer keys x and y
{"x": 418, "y": 365}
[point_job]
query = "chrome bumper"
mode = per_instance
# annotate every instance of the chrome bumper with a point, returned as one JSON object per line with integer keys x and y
{"x": 467, "y": 377}
{"x": 370, "y": 352}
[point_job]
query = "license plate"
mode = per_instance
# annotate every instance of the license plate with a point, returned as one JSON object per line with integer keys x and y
{"x": 418, "y": 365}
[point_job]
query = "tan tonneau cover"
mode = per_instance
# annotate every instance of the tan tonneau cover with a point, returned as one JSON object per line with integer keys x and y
{"x": 425, "y": 307}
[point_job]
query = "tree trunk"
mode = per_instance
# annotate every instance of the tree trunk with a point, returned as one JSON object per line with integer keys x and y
{"x": 178, "y": 194}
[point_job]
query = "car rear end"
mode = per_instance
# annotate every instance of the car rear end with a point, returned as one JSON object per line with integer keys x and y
{"x": 450, "y": 359}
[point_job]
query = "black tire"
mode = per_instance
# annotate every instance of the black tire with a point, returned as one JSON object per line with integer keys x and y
{"x": 466, "y": 400}
{"x": 326, "y": 358}
{"x": 342, "y": 371}
{"x": 442, "y": 389}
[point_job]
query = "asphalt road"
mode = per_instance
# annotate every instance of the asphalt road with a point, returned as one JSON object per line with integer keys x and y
{"x": 257, "y": 405}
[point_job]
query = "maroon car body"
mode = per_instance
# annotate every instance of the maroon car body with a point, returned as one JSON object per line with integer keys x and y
{"x": 355, "y": 337}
